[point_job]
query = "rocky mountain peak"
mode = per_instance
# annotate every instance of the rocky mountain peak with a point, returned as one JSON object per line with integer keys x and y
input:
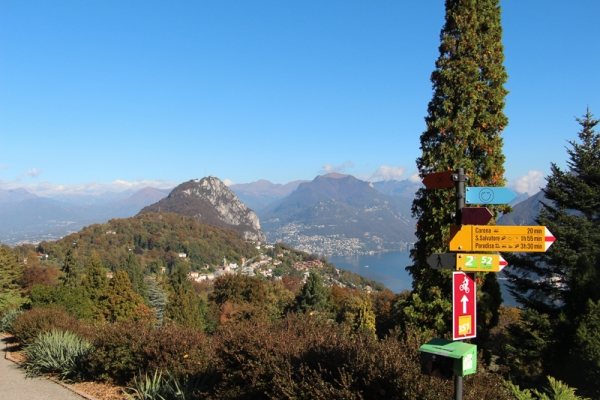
{"x": 209, "y": 200}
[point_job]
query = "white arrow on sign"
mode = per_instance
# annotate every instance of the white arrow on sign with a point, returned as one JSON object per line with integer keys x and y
{"x": 464, "y": 302}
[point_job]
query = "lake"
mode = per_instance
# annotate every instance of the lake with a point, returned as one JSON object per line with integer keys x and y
{"x": 390, "y": 269}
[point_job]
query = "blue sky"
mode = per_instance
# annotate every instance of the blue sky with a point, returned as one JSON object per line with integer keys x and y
{"x": 111, "y": 95}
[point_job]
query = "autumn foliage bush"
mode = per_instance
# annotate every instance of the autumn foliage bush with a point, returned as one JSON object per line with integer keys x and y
{"x": 28, "y": 325}
{"x": 309, "y": 357}
{"x": 123, "y": 350}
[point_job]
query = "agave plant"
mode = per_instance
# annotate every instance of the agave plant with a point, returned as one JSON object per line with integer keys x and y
{"x": 57, "y": 352}
{"x": 147, "y": 387}
{"x": 8, "y": 318}
{"x": 159, "y": 387}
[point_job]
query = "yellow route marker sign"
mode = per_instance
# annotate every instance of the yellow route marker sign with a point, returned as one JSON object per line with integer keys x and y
{"x": 524, "y": 239}
{"x": 480, "y": 262}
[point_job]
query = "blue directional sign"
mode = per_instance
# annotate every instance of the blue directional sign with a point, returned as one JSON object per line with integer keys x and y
{"x": 489, "y": 195}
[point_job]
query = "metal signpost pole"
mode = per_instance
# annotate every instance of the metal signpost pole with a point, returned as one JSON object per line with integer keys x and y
{"x": 460, "y": 203}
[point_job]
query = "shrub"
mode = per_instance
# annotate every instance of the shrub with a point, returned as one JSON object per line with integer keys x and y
{"x": 8, "y": 318}
{"x": 308, "y": 357}
{"x": 117, "y": 356}
{"x": 126, "y": 349}
{"x": 179, "y": 350}
{"x": 57, "y": 352}
{"x": 31, "y": 323}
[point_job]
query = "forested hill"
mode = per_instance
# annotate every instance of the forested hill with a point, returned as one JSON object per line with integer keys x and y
{"x": 156, "y": 238}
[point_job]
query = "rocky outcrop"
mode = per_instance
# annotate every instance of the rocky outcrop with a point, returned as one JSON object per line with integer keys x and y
{"x": 210, "y": 201}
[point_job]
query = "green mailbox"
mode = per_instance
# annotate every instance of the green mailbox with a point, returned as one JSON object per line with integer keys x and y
{"x": 443, "y": 358}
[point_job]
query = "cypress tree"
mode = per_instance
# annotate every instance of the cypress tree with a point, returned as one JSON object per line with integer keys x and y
{"x": 11, "y": 272}
{"x": 133, "y": 269}
{"x": 121, "y": 302}
{"x": 94, "y": 286}
{"x": 69, "y": 270}
{"x": 561, "y": 287}
{"x": 463, "y": 127}
{"x": 184, "y": 307}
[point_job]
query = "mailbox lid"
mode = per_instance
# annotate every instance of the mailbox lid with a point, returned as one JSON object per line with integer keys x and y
{"x": 463, "y": 354}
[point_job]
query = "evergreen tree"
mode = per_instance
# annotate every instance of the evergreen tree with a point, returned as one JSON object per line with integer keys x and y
{"x": 464, "y": 123}
{"x": 157, "y": 298}
{"x": 184, "y": 306}
{"x": 563, "y": 284}
{"x": 69, "y": 270}
{"x": 11, "y": 272}
{"x": 121, "y": 302}
{"x": 133, "y": 269}
{"x": 313, "y": 296}
{"x": 94, "y": 286}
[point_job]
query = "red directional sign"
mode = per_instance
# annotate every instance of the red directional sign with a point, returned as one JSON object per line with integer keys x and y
{"x": 476, "y": 215}
{"x": 464, "y": 309}
{"x": 439, "y": 180}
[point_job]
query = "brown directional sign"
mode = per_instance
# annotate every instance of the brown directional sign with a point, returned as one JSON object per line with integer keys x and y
{"x": 439, "y": 180}
{"x": 476, "y": 216}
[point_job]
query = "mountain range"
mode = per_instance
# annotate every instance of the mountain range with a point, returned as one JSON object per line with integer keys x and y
{"x": 525, "y": 212}
{"x": 340, "y": 214}
{"x": 332, "y": 214}
{"x": 258, "y": 195}
{"x": 26, "y": 217}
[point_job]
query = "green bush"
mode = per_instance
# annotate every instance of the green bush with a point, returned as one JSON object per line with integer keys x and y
{"x": 31, "y": 323}
{"x": 8, "y": 318}
{"x": 57, "y": 352}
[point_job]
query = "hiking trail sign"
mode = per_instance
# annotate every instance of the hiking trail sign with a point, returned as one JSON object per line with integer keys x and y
{"x": 471, "y": 262}
{"x": 489, "y": 195}
{"x": 464, "y": 308}
{"x": 439, "y": 180}
{"x": 524, "y": 239}
{"x": 476, "y": 215}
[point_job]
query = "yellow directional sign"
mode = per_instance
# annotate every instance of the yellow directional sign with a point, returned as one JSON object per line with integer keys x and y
{"x": 500, "y": 238}
{"x": 480, "y": 262}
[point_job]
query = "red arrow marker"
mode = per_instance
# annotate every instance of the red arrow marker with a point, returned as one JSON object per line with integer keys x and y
{"x": 549, "y": 238}
{"x": 502, "y": 263}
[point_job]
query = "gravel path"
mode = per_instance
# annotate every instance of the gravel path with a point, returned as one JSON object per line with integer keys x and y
{"x": 14, "y": 385}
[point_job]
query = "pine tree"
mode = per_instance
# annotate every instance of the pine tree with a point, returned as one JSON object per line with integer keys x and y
{"x": 313, "y": 296}
{"x": 464, "y": 123}
{"x": 562, "y": 285}
{"x": 157, "y": 298}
